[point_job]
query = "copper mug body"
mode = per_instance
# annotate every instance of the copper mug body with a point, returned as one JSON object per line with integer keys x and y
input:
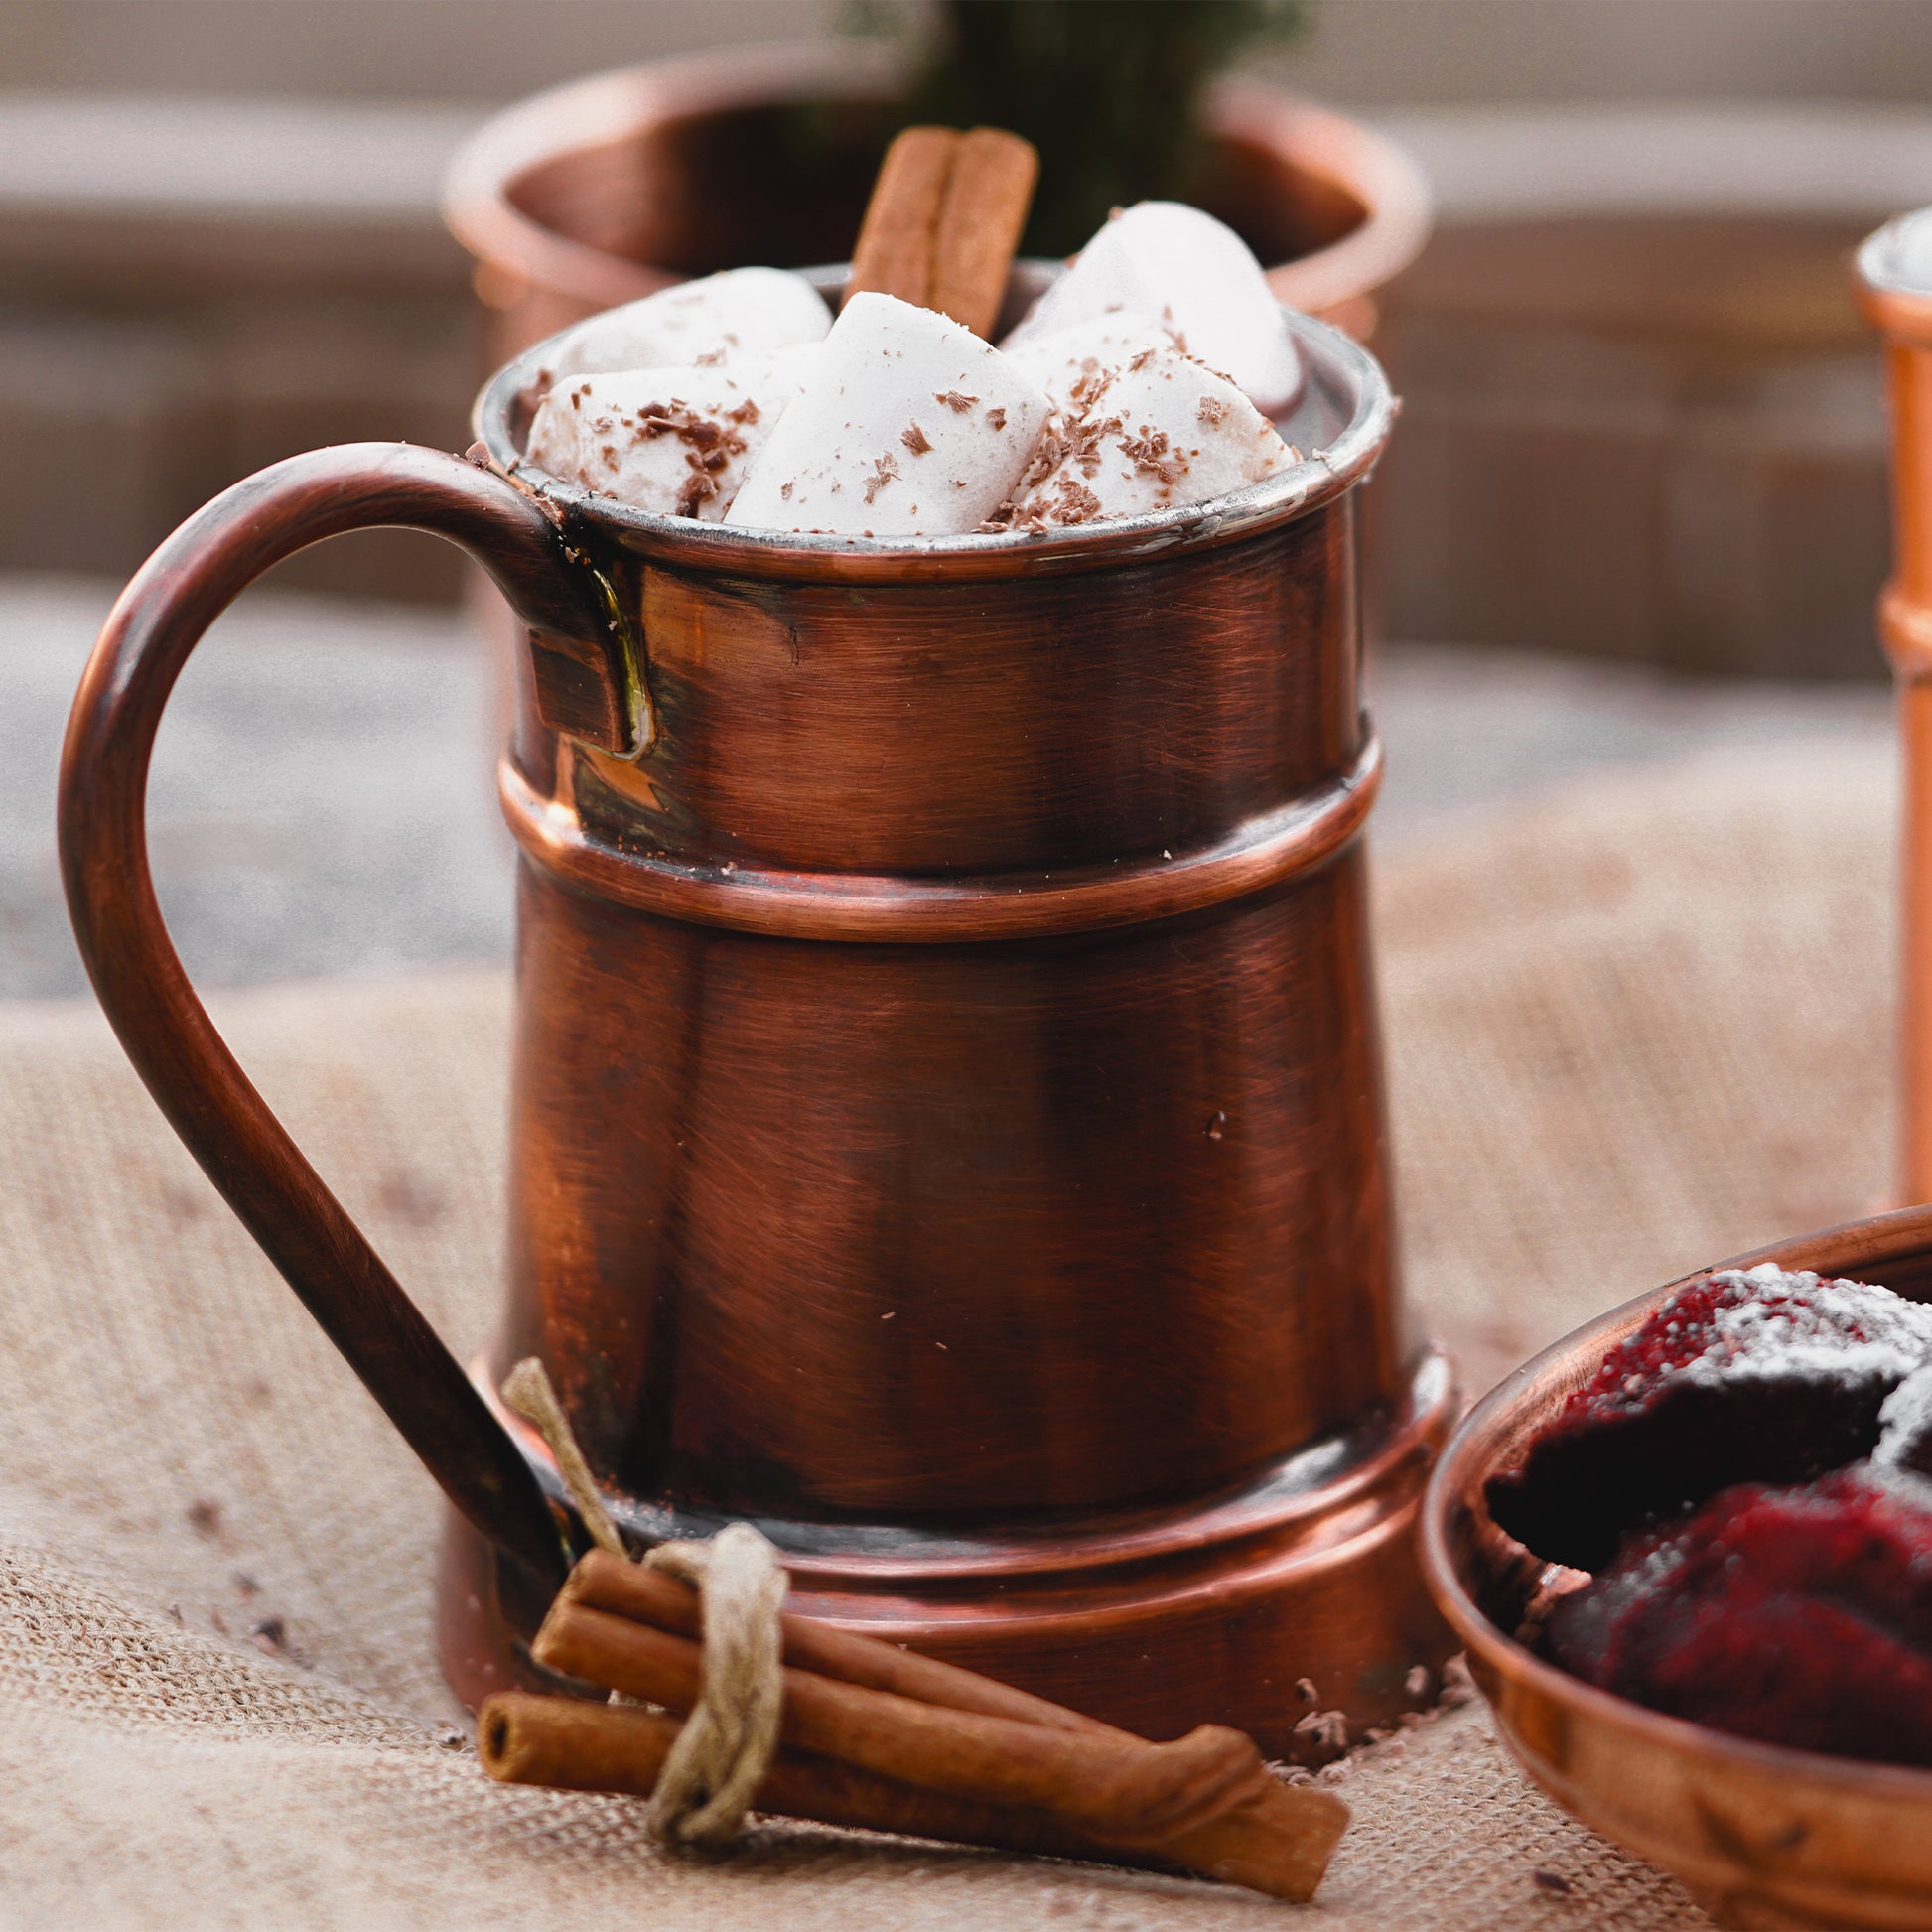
{"x": 947, "y": 1120}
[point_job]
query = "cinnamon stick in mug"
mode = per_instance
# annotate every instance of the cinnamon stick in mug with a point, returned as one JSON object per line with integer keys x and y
{"x": 893, "y": 252}
{"x": 988, "y": 193}
{"x": 945, "y": 219}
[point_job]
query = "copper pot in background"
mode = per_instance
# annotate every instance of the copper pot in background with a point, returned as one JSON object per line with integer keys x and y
{"x": 947, "y": 1125}
{"x": 607, "y": 189}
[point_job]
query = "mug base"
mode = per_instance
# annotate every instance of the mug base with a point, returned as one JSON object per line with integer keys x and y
{"x": 1292, "y": 1610}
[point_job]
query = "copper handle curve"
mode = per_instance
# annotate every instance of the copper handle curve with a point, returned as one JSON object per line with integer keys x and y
{"x": 195, "y": 1079}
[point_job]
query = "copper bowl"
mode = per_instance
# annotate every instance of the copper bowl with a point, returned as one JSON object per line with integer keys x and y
{"x": 1765, "y": 1836}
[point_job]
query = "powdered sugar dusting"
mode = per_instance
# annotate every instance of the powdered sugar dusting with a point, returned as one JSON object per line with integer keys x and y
{"x": 1905, "y": 1426}
{"x": 1767, "y": 1324}
{"x": 1797, "y": 1325}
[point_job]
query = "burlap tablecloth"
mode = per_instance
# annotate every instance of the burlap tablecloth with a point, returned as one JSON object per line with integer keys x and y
{"x": 1632, "y": 1030}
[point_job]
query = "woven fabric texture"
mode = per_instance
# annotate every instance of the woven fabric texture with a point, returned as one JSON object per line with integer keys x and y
{"x": 1636, "y": 1028}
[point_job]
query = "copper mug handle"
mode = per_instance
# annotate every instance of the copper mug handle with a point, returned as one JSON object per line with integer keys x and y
{"x": 579, "y": 658}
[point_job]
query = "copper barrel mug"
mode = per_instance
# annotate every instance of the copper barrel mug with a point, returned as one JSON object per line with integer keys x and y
{"x": 947, "y": 1117}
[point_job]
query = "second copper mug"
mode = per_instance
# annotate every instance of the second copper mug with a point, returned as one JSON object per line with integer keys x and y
{"x": 947, "y": 1119}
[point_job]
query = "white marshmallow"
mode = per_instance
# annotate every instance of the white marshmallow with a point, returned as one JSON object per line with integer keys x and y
{"x": 740, "y": 312}
{"x": 676, "y": 441}
{"x": 1196, "y": 276}
{"x": 907, "y": 426}
{"x": 1083, "y": 356}
{"x": 1161, "y": 432}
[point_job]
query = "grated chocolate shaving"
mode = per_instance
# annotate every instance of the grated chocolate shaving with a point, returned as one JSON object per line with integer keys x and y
{"x": 1329, "y": 1729}
{"x": 1153, "y": 456}
{"x": 1084, "y": 442}
{"x": 1093, "y": 379}
{"x": 1067, "y": 500}
{"x": 884, "y": 470}
{"x": 1045, "y": 458}
{"x": 698, "y": 488}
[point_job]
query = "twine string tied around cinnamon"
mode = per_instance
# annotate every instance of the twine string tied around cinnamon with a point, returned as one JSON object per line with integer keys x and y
{"x": 726, "y": 1745}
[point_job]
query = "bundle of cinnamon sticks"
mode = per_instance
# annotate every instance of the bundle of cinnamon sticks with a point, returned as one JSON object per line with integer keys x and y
{"x": 883, "y": 1738}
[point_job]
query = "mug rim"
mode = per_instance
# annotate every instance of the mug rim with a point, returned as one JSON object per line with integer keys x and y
{"x": 1334, "y": 365}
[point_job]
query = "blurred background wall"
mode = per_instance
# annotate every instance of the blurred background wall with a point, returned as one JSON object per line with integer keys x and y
{"x": 1642, "y": 418}
{"x": 1359, "y": 52}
